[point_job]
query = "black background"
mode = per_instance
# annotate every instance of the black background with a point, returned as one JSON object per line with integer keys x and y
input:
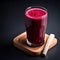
{"x": 12, "y": 24}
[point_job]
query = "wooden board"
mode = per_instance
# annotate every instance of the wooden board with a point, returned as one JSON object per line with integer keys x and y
{"x": 20, "y": 43}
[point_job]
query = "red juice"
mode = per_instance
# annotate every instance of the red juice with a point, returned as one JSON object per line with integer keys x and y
{"x": 36, "y": 22}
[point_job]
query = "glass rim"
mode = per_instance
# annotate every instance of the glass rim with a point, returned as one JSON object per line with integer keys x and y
{"x": 37, "y": 7}
{"x": 43, "y": 8}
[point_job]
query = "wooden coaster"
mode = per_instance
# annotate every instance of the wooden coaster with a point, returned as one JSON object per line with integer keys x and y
{"x": 20, "y": 43}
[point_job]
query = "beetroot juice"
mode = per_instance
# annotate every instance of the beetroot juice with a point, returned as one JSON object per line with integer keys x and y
{"x": 36, "y": 22}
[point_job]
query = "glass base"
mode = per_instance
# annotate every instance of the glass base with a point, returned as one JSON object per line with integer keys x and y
{"x": 31, "y": 44}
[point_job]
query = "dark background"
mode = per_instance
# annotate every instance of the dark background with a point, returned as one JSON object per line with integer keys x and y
{"x": 12, "y": 24}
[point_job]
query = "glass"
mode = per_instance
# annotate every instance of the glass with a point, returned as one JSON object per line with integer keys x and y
{"x": 35, "y": 23}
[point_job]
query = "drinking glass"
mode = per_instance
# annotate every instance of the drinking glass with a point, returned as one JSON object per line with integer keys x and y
{"x": 35, "y": 23}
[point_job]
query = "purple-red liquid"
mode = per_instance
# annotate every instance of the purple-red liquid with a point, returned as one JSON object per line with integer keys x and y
{"x": 36, "y": 21}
